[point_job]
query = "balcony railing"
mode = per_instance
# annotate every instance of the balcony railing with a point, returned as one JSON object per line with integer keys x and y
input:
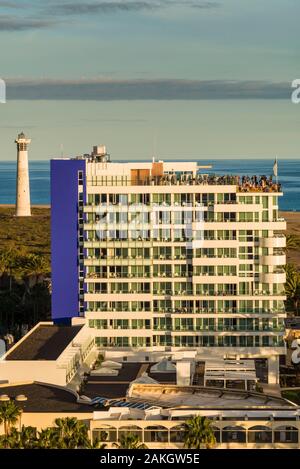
{"x": 217, "y": 311}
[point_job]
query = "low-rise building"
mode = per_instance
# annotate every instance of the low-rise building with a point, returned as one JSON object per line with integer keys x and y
{"x": 157, "y": 413}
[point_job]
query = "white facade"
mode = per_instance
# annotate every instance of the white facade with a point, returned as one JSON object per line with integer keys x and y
{"x": 74, "y": 360}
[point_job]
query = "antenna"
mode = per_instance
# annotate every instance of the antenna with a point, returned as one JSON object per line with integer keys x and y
{"x": 154, "y": 147}
{"x": 62, "y": 150}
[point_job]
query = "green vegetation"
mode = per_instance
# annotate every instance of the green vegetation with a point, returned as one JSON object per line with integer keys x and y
{"x": 130, "y": 441}
{"x": 292, "y": 242}
{"x": 68, "y": 433}
{"x": 9, "y": 415}
{"x": 292, "y": 288}
{"x": 31, "y": 234}
{"x": 199, "y": 433}
{"x": 24, "y": 270}
{"x": 292, "y": 395}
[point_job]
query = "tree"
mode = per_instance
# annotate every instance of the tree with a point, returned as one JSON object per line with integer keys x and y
{"x": 9, "y": 263}
{"x": 292, "y": 286}
{"x": 198, "y": 433}
{"x": 28, "y": 437}
{"x": 9, "y": 415}
{"x": 97, "y": 444}
{"x": 72, "y": 433}
{"x": 48, "y": 438}
{"x": 32, "y": 267}
{"x": 130, "y": 441}
{"x": 25, "y": 439}
{"x": 5, "y": 442}
{"x": 292, "y": 242}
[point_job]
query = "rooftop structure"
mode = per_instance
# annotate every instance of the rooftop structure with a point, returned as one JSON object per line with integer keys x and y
{"x": 49, "y": 354}
{"x": 117, "y": 386}
{"x": 229, "y": 373}
{"x": 46, "y": 342}
{"x": 43, "y": 398}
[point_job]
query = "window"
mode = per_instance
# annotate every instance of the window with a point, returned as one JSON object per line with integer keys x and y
{"x": 265, "y": 201}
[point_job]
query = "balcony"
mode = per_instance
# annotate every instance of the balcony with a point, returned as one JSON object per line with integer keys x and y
{"x": 276, "y": 259}
{"x": 278, "y": 276}
{"x": 277, "y": 241}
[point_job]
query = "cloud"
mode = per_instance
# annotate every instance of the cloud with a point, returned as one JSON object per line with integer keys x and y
{"x": 12, "y": 23}
{"x": 8, "y": 4}
{"x": 103, "y": 7}
{"x": 205, "y": 5}
{"x": 41, "y": 17}
{"x": 159, "y": 89}
{"x": 117, "y": 121}
{"x": 111, "y": 6}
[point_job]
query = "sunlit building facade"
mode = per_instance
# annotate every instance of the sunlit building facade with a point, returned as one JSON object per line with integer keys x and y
{"x": 162, "y": 257}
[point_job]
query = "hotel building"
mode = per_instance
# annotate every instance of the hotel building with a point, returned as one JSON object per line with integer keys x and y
{"x": 162, "y": 259}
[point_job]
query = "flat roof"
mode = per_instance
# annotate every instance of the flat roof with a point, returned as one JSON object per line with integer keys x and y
{"x": 170, "y": 396}
{"x": 44, "y": 398}
{"x": 46, "y": 342}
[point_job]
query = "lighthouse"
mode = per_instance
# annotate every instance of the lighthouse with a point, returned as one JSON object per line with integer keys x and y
{"x": 23, "y": 193}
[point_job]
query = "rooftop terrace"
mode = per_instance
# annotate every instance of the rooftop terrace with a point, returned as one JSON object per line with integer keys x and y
{"x": 243, "y": 183}
{"x": 117, "y": 386}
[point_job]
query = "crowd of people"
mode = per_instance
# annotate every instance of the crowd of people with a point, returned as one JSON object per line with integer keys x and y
{"x": 245, "y": 183}
{"x": 262, "y": 183}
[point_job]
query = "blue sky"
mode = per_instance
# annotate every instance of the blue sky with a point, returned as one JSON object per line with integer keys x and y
{"x": 203, "y": 51}
{"x": 121, "y": 39}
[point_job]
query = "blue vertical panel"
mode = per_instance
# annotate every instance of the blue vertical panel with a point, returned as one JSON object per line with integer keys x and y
{"x": 64, "y": 238}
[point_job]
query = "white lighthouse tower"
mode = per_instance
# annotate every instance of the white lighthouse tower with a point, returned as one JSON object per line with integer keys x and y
{"x": 23, "y": 193}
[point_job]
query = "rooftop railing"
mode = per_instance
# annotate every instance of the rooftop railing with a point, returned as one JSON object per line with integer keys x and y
{"x": 244, "y": 183}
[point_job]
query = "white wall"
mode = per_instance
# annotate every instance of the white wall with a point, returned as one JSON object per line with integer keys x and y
{"x": 15, "y": 371}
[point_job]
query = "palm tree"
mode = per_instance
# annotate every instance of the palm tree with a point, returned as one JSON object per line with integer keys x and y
{"x": 290, "y": 269}
{"x": 48, "y": 438}
{"x": 72, "y": 433}
{"x": 9, "y": 415}
{"x": 25, "y": 439}
{"x": 292, "y": 286}
{"x": 28, "y": 437}
{"x": 292, "y": 242}
{"x": 97, "y": 444}
{"x": 5, "y": 442}
{"x": 9, "y": 263}
{"x": 130, "y": 441}
{"x": 12, "y": 441}
{"x": 32, "y": 267}
{"x": 198, "y": 433}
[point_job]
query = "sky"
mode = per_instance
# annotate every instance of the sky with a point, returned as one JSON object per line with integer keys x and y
{"x": 169, "y": 78}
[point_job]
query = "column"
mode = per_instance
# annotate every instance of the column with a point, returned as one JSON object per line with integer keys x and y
{"x": 273, "y": 369}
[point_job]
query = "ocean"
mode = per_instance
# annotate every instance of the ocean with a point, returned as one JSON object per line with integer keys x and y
{"x": 288, "y": 176}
